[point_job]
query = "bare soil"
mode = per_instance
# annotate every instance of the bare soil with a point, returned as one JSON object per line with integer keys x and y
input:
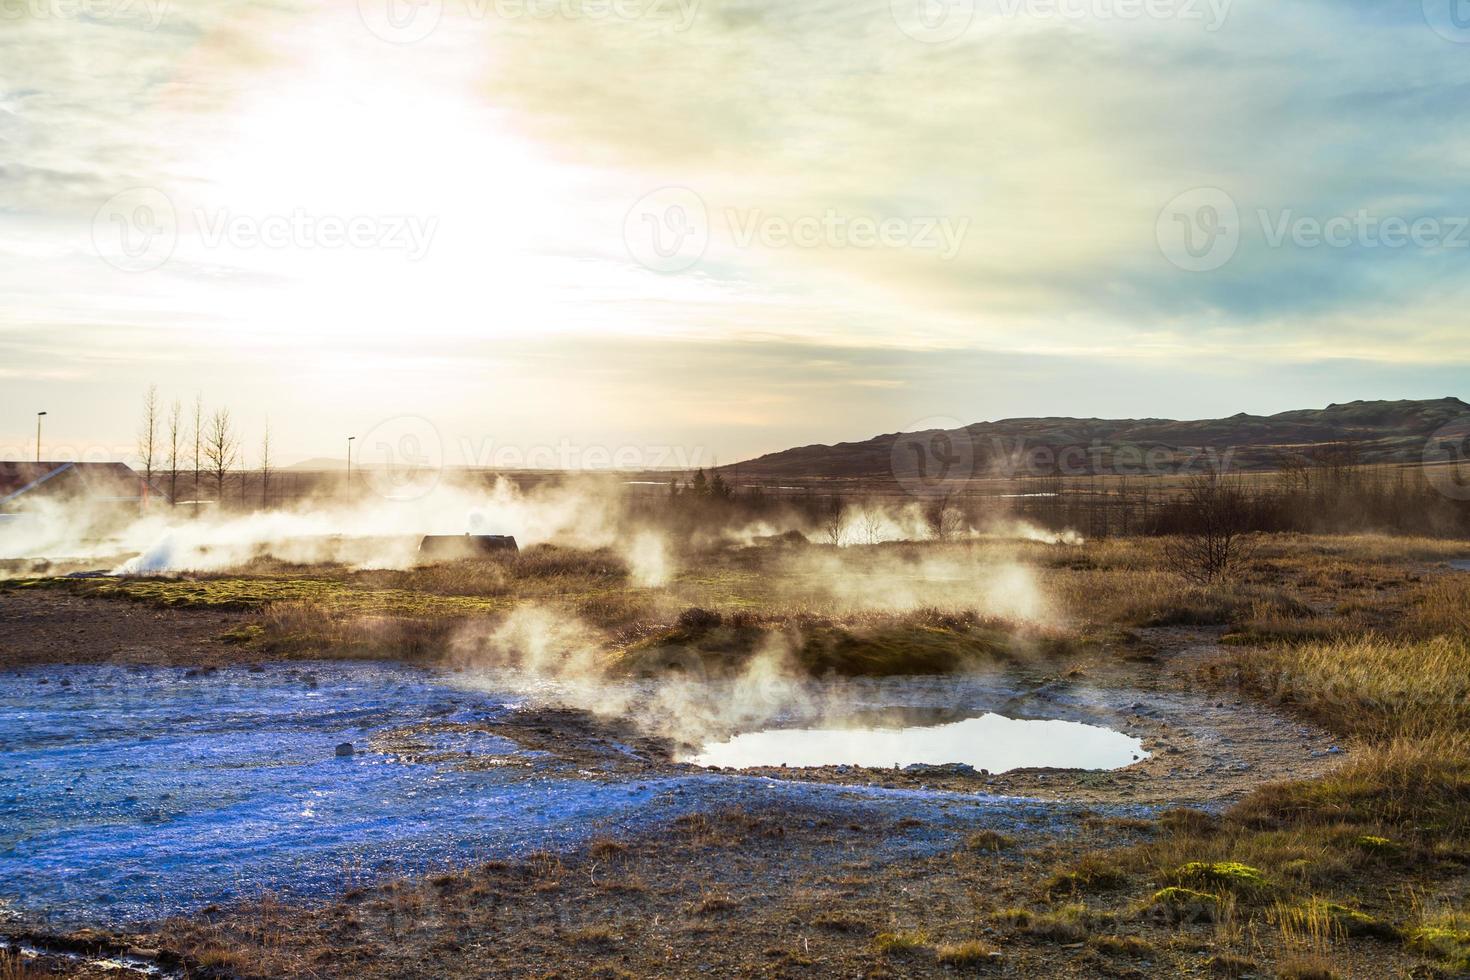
{"x": 48, "y": 626}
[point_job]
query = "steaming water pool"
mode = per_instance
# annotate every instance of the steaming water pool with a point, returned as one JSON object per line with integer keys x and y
{"x": 991, "y": 742}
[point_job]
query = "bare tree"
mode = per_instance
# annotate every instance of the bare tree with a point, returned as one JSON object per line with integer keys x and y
{"x": 221, "y": 450}
{"x": 265, "y": 465}
{"x": 946, "y": 520}
{"x": 175, "y": 431}
{"x": 834, "y": 521}
{"x": 871, "y": 522}
{"x": 198, "y": 442}
{"x": 148, "y": 437}
{"x": 1295, "y": 469}
{"x": 1212, "y": 541}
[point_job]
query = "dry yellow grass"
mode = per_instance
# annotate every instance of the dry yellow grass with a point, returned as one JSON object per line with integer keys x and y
{"x": 1368, "y": 685}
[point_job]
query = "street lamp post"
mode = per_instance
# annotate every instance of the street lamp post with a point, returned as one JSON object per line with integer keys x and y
{"x": 349, "y": 463}
{"x": 39, "y": 416}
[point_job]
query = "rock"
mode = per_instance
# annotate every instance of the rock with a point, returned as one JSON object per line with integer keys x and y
{"x": 344, "y": 750}
{"x": 1334, "y": 750}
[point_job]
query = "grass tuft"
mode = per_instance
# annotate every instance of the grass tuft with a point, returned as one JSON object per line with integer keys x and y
{"x": 971, "y": 953}
{"x": 906, "y": 941}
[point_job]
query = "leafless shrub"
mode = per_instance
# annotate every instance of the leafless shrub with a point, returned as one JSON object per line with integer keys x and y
{"x": 1213, "y": 541}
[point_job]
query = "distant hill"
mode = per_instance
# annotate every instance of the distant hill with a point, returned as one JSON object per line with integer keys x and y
{"x": 1369, "y": 432}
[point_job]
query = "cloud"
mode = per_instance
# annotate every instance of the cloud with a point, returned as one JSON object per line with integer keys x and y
{"x": 1057, "y": 140}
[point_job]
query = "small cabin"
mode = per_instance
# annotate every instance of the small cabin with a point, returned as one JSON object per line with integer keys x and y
{"x": 449, "y": 547}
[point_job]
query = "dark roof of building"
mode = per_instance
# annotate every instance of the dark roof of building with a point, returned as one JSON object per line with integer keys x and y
{"x": 96, "y": 482}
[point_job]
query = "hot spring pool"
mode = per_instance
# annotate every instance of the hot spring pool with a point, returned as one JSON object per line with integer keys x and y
{"x": 991, "y": 742}
{"x": 131, "y": 793}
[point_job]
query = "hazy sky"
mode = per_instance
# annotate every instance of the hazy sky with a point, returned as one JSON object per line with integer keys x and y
{"x": 721, "y": 226}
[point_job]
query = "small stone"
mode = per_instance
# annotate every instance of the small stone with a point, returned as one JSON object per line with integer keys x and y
{"x": 344, "y": 750}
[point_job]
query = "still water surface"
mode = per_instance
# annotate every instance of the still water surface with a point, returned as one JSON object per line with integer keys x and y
{"x": 991, "y": 742}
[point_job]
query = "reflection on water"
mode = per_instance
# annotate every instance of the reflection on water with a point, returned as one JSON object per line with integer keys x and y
{"x": 991, "y": 742}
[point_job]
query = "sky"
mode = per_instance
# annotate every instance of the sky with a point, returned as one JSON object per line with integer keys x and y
{"x": 686, "y": 232}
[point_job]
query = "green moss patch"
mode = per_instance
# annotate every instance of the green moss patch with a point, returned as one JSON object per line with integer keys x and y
{"x": 1227, "y": 875}
{"x": 1449, "y": 943}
